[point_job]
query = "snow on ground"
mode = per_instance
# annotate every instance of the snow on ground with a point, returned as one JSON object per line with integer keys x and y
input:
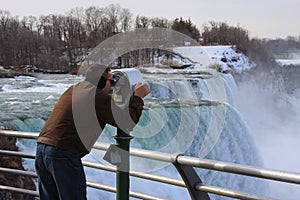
{"x": 229, "y": 58}
{"x": 196, "y": 54}
{"x": 203, "y": 58}
{"x": 284, "y": 62}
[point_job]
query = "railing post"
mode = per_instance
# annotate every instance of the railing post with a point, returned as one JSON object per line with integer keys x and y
{"x": 122, "y": 173}
{"x": 191, "y": 179}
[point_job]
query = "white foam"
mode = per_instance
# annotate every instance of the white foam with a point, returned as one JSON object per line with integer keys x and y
{"x": 22, "y": 78}
{"x": 50, "y": 97}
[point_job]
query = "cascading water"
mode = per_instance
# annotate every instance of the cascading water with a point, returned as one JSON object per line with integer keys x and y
{"x": 182, "y": 115}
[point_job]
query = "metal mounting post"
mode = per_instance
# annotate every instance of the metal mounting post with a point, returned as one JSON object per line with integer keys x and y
{"x": 122, "y": 173}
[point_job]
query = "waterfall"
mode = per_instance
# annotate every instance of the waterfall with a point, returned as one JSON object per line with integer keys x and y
{"x": 192, "y": 115}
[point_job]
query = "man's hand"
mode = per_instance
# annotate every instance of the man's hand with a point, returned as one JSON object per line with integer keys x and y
{"x": 141, "y": 90}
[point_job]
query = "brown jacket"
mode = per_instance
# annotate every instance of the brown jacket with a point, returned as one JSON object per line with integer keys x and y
{"x": 81, "y": 114}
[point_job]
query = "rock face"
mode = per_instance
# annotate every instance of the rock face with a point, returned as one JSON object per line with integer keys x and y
{"x": 8, "y": 143}
{"x": 11, "y": 73}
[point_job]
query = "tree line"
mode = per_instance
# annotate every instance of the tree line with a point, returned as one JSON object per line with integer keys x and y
{"x": 63, "y": 41}
{"x": 283, "y": 48}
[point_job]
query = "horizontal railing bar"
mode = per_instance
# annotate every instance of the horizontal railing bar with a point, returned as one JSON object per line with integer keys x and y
{"x": 90, "y": 184}
{"x": 19, "y": 190}
{"x": 252, "y": 171}
{"x": 201, "y": 163}
{"x": 17, "y": 153}
{"x": 131, "y": 193}
{"x": 27, "y": 135}
{"x": 200, "y": 187}
{"x": 258, "y": 172}
{"x": 18, "y": 172}
{"x": 277, "y": 175}
{"x": 154, "y": 155}
{"x": 162, "y": 179}
{"x": 165, "y": 157}
{"x": 167, "y": 180}
{"x": 152, "y": 177}
{"x": 229, "y": 193}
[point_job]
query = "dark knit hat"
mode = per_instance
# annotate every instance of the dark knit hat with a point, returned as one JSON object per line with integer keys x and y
{"x": 93, "y": 73}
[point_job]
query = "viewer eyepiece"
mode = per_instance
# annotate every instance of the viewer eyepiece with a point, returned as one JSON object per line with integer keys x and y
{"x": 114, "y": 79}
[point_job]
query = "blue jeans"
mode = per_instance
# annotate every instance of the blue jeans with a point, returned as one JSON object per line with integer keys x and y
{"x": 60, "y": 174}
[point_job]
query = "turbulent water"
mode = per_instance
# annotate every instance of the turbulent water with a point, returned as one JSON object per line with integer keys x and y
{"x": 273, "y": 119}
{"x": 192, "y": 115}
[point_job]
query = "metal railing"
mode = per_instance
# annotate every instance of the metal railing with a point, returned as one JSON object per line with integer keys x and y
{"x": 185, "y": 166}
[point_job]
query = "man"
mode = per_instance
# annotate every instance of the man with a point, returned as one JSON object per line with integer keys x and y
{"x": 70, "y": 132}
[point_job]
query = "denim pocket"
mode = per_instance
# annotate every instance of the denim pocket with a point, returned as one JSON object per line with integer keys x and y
{"x": 62, "y": 160}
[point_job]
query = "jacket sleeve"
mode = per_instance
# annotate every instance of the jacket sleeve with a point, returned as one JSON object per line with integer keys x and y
{"x": 135, "y": 108}
{"x": 109, "y": 113}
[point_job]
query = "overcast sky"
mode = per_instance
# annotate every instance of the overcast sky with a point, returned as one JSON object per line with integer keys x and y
{"x": 262, "y": 18}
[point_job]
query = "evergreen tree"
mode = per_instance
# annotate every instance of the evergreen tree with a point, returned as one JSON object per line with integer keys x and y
{"x": 186, "y": 27}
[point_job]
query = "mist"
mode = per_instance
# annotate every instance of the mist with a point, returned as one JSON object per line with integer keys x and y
{"x": 273, "y": 120}
{"x": 296, "y": 55}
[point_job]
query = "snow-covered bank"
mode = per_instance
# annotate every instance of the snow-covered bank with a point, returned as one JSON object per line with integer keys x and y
{"x": 284, "y": 62}
{"x": 226, "y": 56}
{"x": 201, "y": 59}
{"x": 229, "y": 58}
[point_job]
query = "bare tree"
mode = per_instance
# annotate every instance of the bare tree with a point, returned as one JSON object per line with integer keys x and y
{"x": 142, "y": 22}
{"x": 160, "y": 22}
{"x": 29, "y": 40}
{"x": 73, "y": 37}
{"x": 113, "y": 14}
{"x": 11, "y": 42}
{"x": 4, "y": 18}
{"x": 125, "y": 20}
{"x": 222, "y": 33}
{"x": 94, "y": 20}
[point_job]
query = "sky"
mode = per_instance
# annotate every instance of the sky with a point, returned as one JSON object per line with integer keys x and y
{"x": 262, "y": 18}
